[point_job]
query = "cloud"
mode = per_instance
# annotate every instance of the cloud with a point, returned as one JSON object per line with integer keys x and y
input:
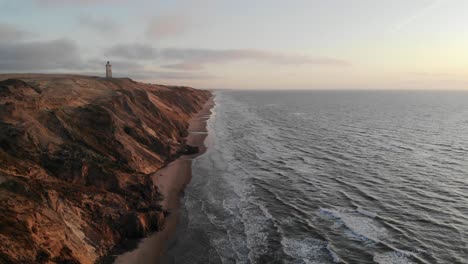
{"x": 132, "y": 51}
{"x": 11, "y": 33}
{"x": 202, "y": 56}
{"x": 170, "y": 75}
{"x": 184, "y": 66}
{"x": 196, "y": 59}
{"x": 39, "y": 56}
{"x": 102, "y": 26}
{"x": 166, "y": 26}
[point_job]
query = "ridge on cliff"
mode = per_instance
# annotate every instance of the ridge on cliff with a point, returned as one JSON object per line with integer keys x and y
{"x": 75, "y": 154}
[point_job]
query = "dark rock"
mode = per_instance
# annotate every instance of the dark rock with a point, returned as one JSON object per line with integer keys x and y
{"x": 42, "y": 256}
{"x": 189, "y": 150}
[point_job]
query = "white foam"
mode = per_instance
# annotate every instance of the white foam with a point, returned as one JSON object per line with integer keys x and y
{"x": 335, "y": 256}
{"x": 393, "y": 257}
{"x": 299, "y": 114}
{"x": 363, "y": 226}
{"x": 328, "y": 212}
{"x": 308, "y": 250}
{"x": 229, "y": 206}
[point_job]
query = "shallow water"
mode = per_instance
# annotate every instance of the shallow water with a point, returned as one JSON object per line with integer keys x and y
{"x": 329, "y": 177}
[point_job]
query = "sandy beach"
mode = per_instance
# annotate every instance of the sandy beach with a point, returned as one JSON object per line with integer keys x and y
{"x": 171, "y": 182}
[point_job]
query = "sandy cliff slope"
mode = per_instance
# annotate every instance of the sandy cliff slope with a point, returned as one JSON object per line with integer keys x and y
{"x": 75, "y": 154}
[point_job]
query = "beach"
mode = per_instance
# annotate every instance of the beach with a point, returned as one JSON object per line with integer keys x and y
{"x": 171, "y": 182}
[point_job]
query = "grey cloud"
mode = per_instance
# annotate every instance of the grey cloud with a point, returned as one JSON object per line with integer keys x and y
{"x": 200, "y": 56}
{"x": 196, "y": 59}
{"x": 170, "y": 75}
{"x": 165, "y": 26}
{"x": 10, "y": 33}
{"x": 184, "y": 66}
{"x": 132, "y": 52}
{"x": 100, "y": 25}
{"x": 39, "y": 56}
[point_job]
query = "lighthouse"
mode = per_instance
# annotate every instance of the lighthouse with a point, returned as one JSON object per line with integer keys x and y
{"x": 108, "y": 70}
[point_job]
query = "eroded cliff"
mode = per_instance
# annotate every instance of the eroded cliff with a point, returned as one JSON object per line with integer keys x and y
{"x": 75, "y": 154}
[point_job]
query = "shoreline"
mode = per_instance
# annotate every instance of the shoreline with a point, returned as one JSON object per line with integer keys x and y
{"x": 171, "y": 181}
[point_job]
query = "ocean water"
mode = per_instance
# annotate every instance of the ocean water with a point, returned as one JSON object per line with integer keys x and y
{"x": 329, "y": 177}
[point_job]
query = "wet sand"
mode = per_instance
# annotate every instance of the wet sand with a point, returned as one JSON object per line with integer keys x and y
{"x": 171, "y": 181}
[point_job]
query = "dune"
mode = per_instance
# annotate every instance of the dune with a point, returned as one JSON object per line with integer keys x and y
{"x": 76, "y": 158}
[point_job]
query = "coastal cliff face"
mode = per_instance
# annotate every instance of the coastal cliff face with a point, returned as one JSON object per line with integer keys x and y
{"x": 75, "y": 154}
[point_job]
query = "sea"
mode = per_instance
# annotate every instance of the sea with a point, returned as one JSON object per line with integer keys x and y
{"x": 329, "y": 177}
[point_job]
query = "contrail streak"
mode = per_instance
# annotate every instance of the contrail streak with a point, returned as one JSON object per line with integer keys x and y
{"x": 421, "y": 13}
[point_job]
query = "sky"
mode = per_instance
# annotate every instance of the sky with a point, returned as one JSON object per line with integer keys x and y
{"x": 244, "y": 44}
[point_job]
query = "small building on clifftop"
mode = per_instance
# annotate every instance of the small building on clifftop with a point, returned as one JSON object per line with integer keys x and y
{"x": 108, "y": 70}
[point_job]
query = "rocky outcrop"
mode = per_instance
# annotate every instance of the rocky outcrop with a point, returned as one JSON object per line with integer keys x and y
{"x": 75, "y": 154}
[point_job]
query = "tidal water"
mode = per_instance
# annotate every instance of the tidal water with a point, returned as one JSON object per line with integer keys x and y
{"x": 329, "y": 177}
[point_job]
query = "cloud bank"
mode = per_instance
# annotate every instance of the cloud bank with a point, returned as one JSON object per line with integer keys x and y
{"x": 10, "y": 33}
{"x": 184, "y": 66}
{"x": 198, "y": 59}
{"x": 132, "y": 51}
{"x": 207, "y": 56}
{"x": 39, "y": 56}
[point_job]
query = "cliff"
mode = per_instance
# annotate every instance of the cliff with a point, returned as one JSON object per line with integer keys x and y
{"x": 75, "y": 154}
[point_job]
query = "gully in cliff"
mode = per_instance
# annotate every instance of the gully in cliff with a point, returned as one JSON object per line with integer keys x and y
{"x": 76, "y": 158}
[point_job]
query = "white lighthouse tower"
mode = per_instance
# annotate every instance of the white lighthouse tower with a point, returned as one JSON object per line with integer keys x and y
{"x": 108, "y": 70}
